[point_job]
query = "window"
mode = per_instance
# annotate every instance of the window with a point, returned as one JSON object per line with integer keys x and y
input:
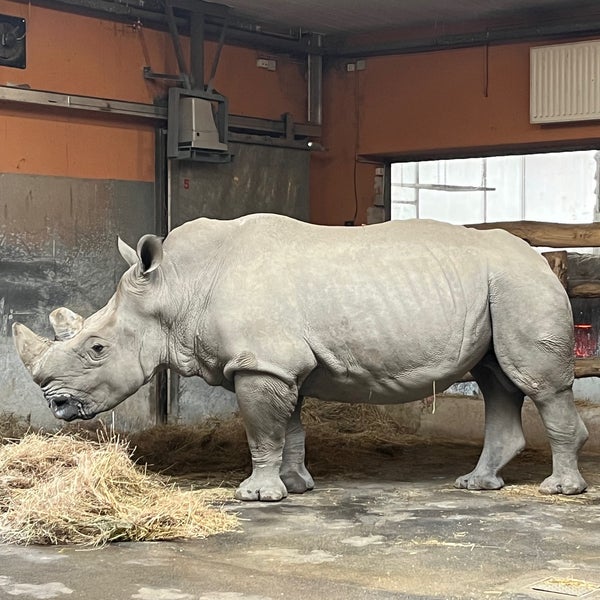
{"x": 560, "y": 187}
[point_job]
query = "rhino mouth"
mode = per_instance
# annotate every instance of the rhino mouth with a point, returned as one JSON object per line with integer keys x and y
{"x": 66, "y": 407}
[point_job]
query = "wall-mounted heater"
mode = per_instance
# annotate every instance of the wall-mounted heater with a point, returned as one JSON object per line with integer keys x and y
{"x": 197, "y": 126}
{"x": 565, "y": 82}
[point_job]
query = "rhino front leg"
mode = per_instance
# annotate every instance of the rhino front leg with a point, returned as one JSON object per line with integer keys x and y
{"x": 294, "y": 473}
{"x": 266, "y": 405}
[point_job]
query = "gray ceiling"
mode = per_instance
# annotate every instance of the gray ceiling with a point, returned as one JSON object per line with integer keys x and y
{"x": 346, "y": 16}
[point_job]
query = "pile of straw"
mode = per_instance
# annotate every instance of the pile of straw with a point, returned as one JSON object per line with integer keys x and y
{"x": 64, "y": 489}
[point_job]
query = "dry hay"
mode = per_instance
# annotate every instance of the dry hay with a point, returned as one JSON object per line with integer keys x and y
{"x": 339, "y": 437}
{"x": 61, "y": 489}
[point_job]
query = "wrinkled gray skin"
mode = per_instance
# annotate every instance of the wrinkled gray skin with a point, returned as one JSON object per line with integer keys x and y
{"x": 276, "y": 309}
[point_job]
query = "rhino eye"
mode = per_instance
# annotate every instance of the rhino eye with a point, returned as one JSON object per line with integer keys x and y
{"x": 97, "y": 348}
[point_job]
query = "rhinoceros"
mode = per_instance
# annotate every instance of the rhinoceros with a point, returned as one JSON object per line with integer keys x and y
{"x": 276, "y": 309}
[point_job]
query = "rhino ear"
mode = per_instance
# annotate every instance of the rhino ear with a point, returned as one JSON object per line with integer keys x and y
{"x": 127, "y": 252}
{"x": 149, "y": 253}
{"x": 30, "y": 346}
{"x": 65, "y": 323}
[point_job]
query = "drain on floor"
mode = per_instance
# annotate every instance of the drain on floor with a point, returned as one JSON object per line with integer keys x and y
{"x": 568, "y": 587}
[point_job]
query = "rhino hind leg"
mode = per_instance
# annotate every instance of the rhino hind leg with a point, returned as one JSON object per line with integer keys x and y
{"x": 567, "y": 434}
{"x": 503, "y": 430}
{"x": 533, "y": 342}
{"x": 294, "y": 473}
{"x": 266, "y": 405}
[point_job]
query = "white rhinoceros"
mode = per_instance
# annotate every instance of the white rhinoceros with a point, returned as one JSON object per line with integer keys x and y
{"x": 277, "y": 309}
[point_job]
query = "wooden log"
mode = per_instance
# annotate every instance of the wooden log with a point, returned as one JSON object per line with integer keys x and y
{"x": 587, "y": 367}
{"x": 553, "y": 235}
{"x": 583, "y": 288}
{"x": 558, "y": 263}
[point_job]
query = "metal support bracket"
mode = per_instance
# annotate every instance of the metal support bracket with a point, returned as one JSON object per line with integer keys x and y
{"x": 221, "y": 122}
{"x": 150, "y": 74}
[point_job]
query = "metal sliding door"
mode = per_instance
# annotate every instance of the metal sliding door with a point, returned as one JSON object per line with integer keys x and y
{"x": 259, "y": 179}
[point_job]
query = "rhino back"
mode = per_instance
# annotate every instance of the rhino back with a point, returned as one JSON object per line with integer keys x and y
{"x": 371, "y": 312}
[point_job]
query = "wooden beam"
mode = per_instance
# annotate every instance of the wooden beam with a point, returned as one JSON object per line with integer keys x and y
{"x": 553, "y": 235}
{"x": 587, "y": 367}
{"x": 583, "y": 288}
{"x": 558, "y": 263}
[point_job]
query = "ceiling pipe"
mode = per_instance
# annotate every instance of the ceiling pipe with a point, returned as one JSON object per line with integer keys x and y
{"x": 463, "y": 40}
{"x": 248, "y": 34}
{"x": 315, "y": 83}
{"x": 197, "y": 49}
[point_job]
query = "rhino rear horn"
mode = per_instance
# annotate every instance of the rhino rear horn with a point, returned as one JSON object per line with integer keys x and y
{"x": 65, "y": 323}
{"x": 30, "y": 346}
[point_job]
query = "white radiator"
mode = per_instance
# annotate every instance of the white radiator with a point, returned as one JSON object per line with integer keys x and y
{"x": 565, "y": 82}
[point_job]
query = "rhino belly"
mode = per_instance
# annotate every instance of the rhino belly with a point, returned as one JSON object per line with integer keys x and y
{"x": 393, "y": 361}
{"x": 365, "y": 387}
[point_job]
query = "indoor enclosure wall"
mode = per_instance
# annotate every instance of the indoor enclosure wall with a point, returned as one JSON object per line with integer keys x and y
{"x": 71, "y": 181}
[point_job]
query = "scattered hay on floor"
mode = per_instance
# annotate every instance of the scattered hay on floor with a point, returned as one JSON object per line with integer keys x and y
{"x": 64, "y": 489}
{"x": 530, "y": 490}
{"x": 215, "y": 450}
{"x": 340, "y": 439}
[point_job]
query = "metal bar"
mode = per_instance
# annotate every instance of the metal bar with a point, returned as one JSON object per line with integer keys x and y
{"x": 288, "y": 122}
{"x": 272, "y": 126}
{"x": 54, "y": 100}
{"x": 150, "y": 74}
{"x": 315, "y": 83}
{"x": 161, "y": 207}
{"x": 262, "y": 41}
{"x": 197, "y": 50}
{"x": 217, "y": 57}
{"x": 336, "y": 49}
{"x": 209, "y": 9}
{"x": 262, "y": 140}
{"x": 240, "y": 33}
{"x": 146, "y": 111}
{"x": 387, "y": 190}
{"x": 445, "y": 187}
{"x": 176, "y": 44}
{"x": 121, "y": 10}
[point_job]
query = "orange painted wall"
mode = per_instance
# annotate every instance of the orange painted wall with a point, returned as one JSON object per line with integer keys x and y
{"x": 425, "y": 105}
{"x": 72, "y": 54}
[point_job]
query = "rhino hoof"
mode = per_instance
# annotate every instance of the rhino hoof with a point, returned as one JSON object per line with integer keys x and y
{"x": 473, "y": 481}
{"x": 567, "y": 486}
{"x": 249, "y": 492}
{"x": 298, "y": 482}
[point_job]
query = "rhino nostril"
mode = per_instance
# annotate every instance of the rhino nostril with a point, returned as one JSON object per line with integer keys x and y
{"x": 58, "y": 401}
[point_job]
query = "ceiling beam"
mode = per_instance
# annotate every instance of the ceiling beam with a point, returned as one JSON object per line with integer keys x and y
{"x": 337, "y": 48}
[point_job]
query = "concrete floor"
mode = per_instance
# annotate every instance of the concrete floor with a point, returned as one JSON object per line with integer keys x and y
{"x": 395, "y": 530}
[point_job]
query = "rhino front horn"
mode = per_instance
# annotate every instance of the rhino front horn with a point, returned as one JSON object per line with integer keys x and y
{"x": 30, "y": 346}
{"x": 65, "y": 323}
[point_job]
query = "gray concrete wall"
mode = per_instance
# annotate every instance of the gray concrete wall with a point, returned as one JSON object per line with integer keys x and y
{"x": 58, "y": 247}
